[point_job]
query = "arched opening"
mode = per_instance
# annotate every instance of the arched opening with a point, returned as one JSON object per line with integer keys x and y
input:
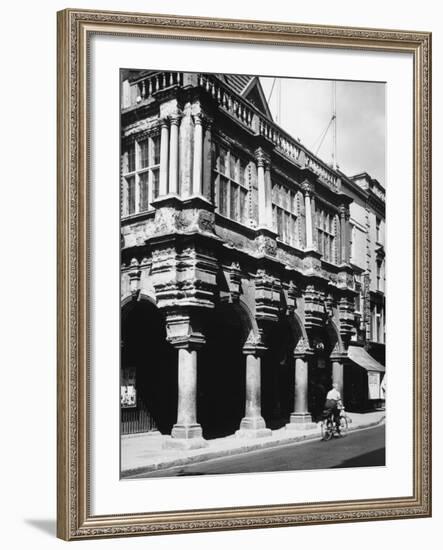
{"x": 148, "y": 371}
{"x": 277, "y": 387}
{"x": 221, "y": 374}
{"x": 323, "y": 341}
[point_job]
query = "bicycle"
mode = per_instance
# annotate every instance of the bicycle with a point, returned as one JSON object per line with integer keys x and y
{"x": 329, "y": 427}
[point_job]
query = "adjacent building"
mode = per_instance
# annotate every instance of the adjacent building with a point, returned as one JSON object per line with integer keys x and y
{"x": 252, "y": 273}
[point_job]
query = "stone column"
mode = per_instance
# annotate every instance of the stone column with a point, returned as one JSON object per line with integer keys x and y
{"x": 207, "y": 160}
{"x": 268, "y": 194}
{"x": 300, "y": 418}
{"x": 173, "y": 154}
{"x": 253, "y": 424}
{"x": 197, "y": 165}
{"x": 187, "y": 432}
{"x": 264, "y": 191}
{"x": 344, "y": 234}
{"x": 164, "y": 153}
{"x": 337, "y": 375}
{"x": 307, "y": 190}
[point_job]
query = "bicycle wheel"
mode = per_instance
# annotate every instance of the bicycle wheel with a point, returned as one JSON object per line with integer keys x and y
{"x": 343, "y": 425}
{"x": 327, "y": 428}
{"x": 323, "y": 429}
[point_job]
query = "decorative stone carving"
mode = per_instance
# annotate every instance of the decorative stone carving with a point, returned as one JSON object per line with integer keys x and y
{"x": 254, "y": 340}
{"x": 262, "y": 157}
{"x": 267, "y": 295}
{"x": 290, "y": 297}
{"x": 266, "y": 245}
{"x": 184, "y": 328}
{"x": 165, "y": 220}
{"x": 347, "y": 316}
{"x": 302, "y": 348}
{"x": 206, "y": 221}
{"x": 314, "y": 306}
{"x": 344, "y": 211}
{"x": 185, "y": 276}
{"x": 307, "y": 188}
{"x": 134, "y": 275}
{"x": 234, "y": 276}
{"x": 312, "y": 263}
{"x": 345, "y": 279}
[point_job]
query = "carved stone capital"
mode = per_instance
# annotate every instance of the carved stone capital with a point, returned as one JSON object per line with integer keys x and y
{"x": 164, "y": 122}
{"x": 198, "y": 119}
{"x": 194, "y": 341}
{"x": 344, "y": 211}
{"x": 302, "y": 350}
{"x": 263, "y": 159}
{"x": 307, "y": 188}
{"x": 254, "y": 345}
{"x": 175, "y": 118}
{"x": 184, "y": 329}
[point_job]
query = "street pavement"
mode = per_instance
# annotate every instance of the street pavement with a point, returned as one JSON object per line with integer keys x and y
{"x": 362, "y": 448}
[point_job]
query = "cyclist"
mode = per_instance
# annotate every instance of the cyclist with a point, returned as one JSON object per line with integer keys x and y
{"x": 333, "y": 405}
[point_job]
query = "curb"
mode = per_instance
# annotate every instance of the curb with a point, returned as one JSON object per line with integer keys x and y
{"x": 221, "y": 453}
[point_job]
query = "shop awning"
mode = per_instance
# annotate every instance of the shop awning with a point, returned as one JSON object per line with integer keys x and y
{"x": 363, "y": 359}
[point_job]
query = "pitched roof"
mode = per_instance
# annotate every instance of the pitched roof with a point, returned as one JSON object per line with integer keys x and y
{"x": 248, "y": 87}
{"x": 238, "y": 82}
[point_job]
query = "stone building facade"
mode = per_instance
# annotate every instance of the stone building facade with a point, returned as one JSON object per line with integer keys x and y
{"x": 244, "y": 284}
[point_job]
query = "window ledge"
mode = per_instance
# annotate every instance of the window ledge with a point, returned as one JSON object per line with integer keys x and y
{"x": 139, "y": 216}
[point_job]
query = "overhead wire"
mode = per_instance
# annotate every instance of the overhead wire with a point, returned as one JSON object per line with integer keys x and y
{"x": 323, "y": 135}
{"x": 272, "y": 89}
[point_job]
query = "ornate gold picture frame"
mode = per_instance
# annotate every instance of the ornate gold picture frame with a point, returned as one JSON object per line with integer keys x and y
{"x": 74, "y": 517}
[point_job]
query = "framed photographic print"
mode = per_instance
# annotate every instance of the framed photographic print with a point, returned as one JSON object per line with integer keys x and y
{"x": 244, "y": 274}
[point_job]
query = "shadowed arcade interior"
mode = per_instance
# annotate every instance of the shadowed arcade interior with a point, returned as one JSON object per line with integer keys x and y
{"x": 149, "y": 363}
{"x": 278, "y": 375}
{"x": 221, "y": 373}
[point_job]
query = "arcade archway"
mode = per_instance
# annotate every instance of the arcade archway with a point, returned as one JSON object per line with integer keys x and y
{"x": 148, "y": 371}
{"x": 324, "y": 342}
{"x": 221, "y": 375}
{"x": 278, "y": 374}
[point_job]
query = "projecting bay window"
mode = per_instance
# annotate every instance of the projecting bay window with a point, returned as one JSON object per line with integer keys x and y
{"x": 230, "y": 183}
{"x": 326, "y": 226}
{"x": 285, "y": 214}
{"x": 140, "y": 175}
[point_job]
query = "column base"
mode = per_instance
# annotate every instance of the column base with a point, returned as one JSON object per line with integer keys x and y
{"x": 253, "y": 427}
{"x": 300, "y": 421}
{"x": 186, "y": 437}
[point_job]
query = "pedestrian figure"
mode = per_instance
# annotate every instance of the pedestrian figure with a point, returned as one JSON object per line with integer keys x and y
{"x": 333, "y": 405}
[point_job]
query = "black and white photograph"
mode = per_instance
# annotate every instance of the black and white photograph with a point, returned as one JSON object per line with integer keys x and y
{"x": 252, "y": 257}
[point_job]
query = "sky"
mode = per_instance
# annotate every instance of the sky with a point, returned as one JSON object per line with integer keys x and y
{"x": 306, "y": 110}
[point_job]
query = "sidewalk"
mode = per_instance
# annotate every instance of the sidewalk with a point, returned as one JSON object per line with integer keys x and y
{"x": 144, "y": 453}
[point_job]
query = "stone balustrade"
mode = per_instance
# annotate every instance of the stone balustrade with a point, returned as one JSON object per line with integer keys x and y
{"x": 154, "y": 82}
{"x": 230, "y": 102}
{"x": 254, "y": 120}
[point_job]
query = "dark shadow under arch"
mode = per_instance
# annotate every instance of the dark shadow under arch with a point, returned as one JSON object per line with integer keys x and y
{"x": 149, "y": 363}
{"x": 278, "y": 373}
{"x": 325, "y": 342}
{"x": 221, "y": 371}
